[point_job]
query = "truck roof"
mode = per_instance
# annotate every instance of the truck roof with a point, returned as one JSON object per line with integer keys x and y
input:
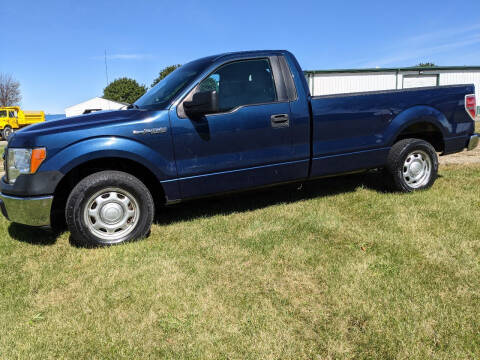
{"x": 216, "y": 57}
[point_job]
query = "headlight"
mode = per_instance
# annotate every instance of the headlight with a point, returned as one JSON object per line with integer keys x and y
{"x": 23, "y": 161}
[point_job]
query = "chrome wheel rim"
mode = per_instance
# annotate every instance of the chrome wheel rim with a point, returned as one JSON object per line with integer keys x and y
{"x": 111, "y": 214}
{"x": 7, "y": 133}
{"x": 417, "y": 169}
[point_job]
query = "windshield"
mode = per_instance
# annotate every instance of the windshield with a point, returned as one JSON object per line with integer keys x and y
{"x": 160, "y": 96}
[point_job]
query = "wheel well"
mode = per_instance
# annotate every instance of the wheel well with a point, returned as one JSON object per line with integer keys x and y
{"x": 425, "y": 131}
{"x": 78, "y": 173}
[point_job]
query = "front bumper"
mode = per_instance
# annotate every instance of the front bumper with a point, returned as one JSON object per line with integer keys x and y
{"x": 473, "y": 142}
{"x": 33, "y": 211}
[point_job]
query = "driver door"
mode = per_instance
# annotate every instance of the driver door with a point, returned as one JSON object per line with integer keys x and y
{"x": 247, "y": 143}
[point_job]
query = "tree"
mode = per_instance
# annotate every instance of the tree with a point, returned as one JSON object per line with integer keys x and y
{"x": 9, "y": 90}
{"x": 162, "y": 74}
{"x": 426, "y": 64}
{"x": 124, "y": 90}
{"x": 209, "y": 84}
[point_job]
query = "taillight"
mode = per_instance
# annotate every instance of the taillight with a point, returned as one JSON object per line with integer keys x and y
{"x": 471, "y": 105}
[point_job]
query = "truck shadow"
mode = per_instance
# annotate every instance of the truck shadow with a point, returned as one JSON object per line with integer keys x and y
{"x": 228, "y": 204}
{"x": 257, "y": 199}
{"x": 33, "y": 235}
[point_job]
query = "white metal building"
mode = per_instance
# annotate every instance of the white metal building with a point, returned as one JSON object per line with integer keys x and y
{"x": 92, "y": 105}
{"x": 326, "y": 82}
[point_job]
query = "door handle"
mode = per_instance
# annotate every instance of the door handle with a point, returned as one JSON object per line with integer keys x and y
{"x": 280, "y": 120}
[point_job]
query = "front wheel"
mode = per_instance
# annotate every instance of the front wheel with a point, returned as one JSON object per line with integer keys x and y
{"x": 109, "y": 207}
{"x": 6, "y": 132}
{"x": 412, "y": 165}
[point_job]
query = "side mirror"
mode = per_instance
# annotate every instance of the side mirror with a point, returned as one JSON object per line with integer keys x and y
{"x": 205, "y": 102}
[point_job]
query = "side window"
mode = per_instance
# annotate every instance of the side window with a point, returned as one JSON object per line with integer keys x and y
{"x": 12, "y": 114}
{"x": 242, "y": 83}
{"x": 3, "y": 113}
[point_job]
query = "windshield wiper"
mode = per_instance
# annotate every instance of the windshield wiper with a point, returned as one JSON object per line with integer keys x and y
{"x": 133, "y": 106}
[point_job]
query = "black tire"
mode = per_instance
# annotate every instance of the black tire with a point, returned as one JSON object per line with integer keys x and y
{"x": 80, "y": 224}
{"x": 397, "y": 171}
{"x": 6, "y": 132}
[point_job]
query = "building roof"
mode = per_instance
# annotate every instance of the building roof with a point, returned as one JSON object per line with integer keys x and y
{"x": 95, "y": 99}
{"x": 399, "y": 69}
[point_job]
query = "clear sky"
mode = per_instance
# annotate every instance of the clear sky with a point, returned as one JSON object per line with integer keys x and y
{"x": 56, "y": 48}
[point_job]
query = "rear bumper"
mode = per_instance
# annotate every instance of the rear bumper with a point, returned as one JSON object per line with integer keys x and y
{"x": 33, "y": 211}
{"x": 473, "y": 142}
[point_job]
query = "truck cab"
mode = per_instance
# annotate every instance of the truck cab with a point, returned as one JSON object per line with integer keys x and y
{"x": 8, "y": 120}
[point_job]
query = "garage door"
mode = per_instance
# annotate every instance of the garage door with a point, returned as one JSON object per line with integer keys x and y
{"x": 413, "y": 81}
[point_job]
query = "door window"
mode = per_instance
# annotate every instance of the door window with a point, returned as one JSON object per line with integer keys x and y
{"x": 241, "y": 83}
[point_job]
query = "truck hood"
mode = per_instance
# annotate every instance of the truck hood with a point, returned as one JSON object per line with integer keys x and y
{"x": 57, "y": 134}
{"x": 81, "y": 121}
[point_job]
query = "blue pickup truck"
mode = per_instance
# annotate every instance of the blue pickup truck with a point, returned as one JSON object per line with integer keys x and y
{"x": 223, "y": 123}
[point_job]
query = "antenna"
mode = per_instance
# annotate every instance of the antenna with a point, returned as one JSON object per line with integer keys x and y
{"x": 106, "y": 68}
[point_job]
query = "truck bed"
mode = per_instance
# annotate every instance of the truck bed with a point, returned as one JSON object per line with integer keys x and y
{"x": 355, "y": 131}
{"x": 30, "y": 117}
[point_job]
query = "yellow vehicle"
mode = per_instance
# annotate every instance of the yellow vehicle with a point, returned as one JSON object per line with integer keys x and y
{"x": 13, "y": 118}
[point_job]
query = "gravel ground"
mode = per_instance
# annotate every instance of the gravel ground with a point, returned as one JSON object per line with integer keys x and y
{"x": 464, "y": 157}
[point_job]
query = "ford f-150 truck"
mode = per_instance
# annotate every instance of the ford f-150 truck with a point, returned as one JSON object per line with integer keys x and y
{"x": 219, "y": 124}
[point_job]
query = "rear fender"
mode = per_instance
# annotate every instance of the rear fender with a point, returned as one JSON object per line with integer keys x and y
{"x": 417, "y": 114}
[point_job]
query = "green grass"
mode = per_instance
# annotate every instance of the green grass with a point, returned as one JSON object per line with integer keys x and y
{"x": 338, "y": 269}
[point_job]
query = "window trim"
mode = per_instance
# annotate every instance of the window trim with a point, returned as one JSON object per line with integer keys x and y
{"x": 280, "y": 87}
{"x": 288, "y": 79}
{"x": 235, "y": 109}
{"x": 181, "y": 112}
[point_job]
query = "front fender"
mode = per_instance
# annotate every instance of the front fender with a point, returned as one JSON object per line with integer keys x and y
{"x": 108, "y": 147}
{"x": 417, "y": 114}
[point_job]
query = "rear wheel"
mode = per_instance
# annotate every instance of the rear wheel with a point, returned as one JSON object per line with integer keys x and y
{"x": 412, "y": 165}
{"x": 109, "y": 207}
{"x": 6, "y": 132}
